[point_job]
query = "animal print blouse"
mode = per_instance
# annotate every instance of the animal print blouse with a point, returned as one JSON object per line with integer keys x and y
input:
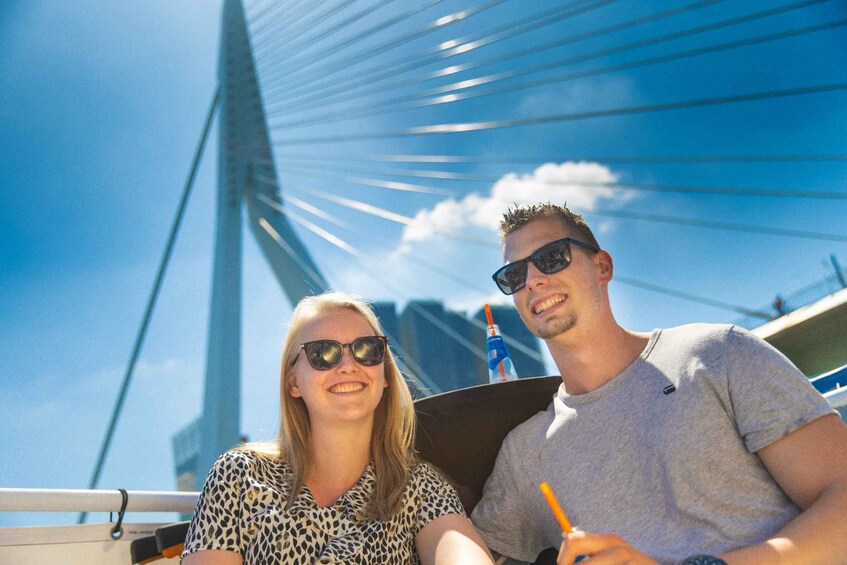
{"x": 242, "y": 509}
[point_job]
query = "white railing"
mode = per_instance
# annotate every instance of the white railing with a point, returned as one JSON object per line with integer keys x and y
{"x": 59, "y": 500}
{"x": 837, "y": 398}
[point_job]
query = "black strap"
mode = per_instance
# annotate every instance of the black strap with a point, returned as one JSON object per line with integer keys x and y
{"x": 117, "y": 532}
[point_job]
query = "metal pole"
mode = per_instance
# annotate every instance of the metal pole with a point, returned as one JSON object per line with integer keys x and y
{"x": 838, "y": 272}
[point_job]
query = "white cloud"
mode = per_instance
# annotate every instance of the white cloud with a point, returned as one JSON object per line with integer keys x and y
{"x": 579, "y": 184}
{"x": 424, "y": 263}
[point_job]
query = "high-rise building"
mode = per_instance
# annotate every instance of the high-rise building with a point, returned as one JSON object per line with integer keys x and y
{"x": 523, "y": 347}
{"x": 446, "y": 350}
{"x": 441, "y": 343}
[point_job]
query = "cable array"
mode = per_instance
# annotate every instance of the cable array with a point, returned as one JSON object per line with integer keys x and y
{"x": 350, "y": 88}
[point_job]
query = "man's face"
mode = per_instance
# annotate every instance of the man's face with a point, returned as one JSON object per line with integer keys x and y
{"x": 551, "y": 305}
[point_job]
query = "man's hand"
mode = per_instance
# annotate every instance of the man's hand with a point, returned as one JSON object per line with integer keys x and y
{"x": 604, "y": 549}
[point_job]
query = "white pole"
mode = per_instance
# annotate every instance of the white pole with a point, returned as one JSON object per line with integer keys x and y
{"x": 66, "y": 500}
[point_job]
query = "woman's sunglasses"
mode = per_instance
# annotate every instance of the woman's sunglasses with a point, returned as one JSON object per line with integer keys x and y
{"x": 549, "y": 259}
{"x": 325, "y": 354}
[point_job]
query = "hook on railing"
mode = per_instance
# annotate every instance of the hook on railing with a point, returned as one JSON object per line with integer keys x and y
{"x": 117, "y": 532}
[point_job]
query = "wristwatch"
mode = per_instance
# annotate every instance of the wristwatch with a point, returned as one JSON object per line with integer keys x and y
{"x": 704, "y": 560}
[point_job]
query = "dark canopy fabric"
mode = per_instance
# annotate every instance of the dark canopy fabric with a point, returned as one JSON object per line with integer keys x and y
{"x": 461, "y": 431}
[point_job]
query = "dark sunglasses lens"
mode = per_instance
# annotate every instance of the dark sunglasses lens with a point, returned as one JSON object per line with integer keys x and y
{"x": 369, "y": 351}
{"x": 512, "y": 277}
{"x": 552, "y": 258}
{"x": 323, "y": 355}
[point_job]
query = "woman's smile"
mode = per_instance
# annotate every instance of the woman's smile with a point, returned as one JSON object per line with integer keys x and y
{"x": 346, "y": 388}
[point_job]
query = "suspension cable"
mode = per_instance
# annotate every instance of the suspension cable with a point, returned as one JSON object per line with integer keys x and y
{"x": 499, "y": 124}
{"x": 420, "y": 100}
{"x": 341, "y": 90}
{"x": 325, "y": 170}
{"x": 151, "y": 303}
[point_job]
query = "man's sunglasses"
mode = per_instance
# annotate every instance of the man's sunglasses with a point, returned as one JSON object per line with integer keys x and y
{"x": 325, "y": 354}
{"x": 549, "y": 259}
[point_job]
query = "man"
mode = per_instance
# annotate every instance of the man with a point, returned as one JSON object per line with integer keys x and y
{"x": 696, "y": 444}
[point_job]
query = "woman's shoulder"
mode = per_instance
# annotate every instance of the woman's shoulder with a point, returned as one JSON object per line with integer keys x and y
{"x": 247, "y": 458}
{"x": 427, "y": 473}
{"x": 435, "y": 492}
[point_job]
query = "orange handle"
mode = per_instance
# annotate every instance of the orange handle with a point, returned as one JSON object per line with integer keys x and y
{"x": 502, "y": 371}
{"x": 488, "y": 315}
{"x": 554, "y": 506}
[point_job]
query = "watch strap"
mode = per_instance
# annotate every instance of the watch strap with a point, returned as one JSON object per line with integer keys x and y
{"x": 704, "y": 560}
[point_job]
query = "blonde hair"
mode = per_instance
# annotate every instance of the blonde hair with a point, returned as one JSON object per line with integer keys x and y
{"x": 393, "y": 436}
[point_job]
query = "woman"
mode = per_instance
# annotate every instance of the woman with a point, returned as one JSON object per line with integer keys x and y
{"x": 341, "y": 484}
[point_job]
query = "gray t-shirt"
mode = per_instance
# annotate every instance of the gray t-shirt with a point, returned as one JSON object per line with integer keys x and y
{"x": 663, "y": 455}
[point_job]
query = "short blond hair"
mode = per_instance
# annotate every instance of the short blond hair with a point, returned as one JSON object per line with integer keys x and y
{"x": 521, "y": 215}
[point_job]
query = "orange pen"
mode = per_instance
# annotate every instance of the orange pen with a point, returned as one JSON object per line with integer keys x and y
{"x": 554, "y": 506}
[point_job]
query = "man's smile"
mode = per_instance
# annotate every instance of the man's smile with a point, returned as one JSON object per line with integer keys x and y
{"x": 548, "y": 303}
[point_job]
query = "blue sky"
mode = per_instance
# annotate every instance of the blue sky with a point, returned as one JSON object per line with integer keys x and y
{"x": 101, "y": 109}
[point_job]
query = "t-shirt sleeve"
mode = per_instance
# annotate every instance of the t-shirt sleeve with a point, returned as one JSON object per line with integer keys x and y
{"x": 437, "y": 496}
{"x": 216, "y": 523}
{"x": 502, "y": 517}
{"x": 770, "y": 397}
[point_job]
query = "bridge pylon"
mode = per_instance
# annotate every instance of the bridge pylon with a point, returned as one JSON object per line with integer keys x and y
{"x": 246, "y": 179}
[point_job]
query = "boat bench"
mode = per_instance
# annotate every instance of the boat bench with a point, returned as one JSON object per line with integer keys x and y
{"x": 166, "y": 542}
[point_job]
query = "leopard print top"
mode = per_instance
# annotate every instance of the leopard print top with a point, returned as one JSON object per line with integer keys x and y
{"x": 242, "y": 509}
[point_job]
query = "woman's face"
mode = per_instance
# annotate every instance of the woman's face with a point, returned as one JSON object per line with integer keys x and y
{"x": 347, "y": 393}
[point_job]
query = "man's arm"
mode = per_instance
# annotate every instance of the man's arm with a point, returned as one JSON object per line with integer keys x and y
{"x": 503, "y": 560}
{"x": 810, "y": 464}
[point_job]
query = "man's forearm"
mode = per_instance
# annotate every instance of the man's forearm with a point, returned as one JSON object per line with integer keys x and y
{"x": 816, "y": 536}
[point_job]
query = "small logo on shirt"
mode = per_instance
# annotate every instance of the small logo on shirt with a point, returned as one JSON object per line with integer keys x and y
{"x": 669, "y": 389}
